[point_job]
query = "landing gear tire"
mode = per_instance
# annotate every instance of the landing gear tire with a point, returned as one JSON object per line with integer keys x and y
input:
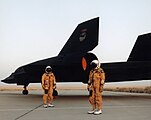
{"x": 25, "y": 92}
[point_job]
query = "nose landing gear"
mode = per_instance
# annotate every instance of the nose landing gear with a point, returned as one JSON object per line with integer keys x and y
{"x": 25, "y": 91}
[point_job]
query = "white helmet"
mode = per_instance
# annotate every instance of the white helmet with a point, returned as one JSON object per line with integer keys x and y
{"x": 95, "y": 63}
{"x": 48, "y": 69}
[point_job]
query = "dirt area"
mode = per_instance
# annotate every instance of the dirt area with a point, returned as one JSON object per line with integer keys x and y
{"x": 137, "y": 89}
{"x": 146, "y": 89}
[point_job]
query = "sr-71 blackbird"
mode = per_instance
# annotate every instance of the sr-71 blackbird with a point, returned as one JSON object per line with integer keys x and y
{"x": 73, "y": 62}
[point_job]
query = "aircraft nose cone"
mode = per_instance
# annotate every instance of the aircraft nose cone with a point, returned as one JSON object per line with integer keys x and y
{"x": 9, "y": 79}
{"x": 6, "y": 80}
{"x": 3, "y": 80}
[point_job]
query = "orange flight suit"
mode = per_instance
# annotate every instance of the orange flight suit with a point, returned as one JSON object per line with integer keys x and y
{"x": 96, "y": 83}
{"x": 48, "y": 84}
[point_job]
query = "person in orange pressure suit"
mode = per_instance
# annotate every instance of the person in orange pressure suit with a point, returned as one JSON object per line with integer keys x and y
{"x": 95, "y": 87}
{"x": 48, "y": 84}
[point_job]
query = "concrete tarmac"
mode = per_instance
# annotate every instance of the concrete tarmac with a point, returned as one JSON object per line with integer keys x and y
{"x": 73, "y": 105}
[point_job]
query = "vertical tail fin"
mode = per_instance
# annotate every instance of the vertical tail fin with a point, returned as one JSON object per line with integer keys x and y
{"x": 142, "y": 48}
{"x": 83, "y": 39}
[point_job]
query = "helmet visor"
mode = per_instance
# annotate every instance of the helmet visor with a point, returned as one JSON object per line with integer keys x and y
{"x": 48, "y": 70}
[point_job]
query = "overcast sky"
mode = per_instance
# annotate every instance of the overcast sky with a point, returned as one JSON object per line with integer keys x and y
{"x": 32, "y": 30}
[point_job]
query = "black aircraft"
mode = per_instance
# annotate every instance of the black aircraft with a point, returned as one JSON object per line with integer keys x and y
{"x": 73, "y": 62}
{"x": 138, "y": 65}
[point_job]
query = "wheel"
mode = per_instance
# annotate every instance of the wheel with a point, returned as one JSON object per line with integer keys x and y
{"x": 25, "y": 92}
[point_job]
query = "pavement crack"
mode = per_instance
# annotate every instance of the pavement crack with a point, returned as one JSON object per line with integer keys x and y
{"x": 28, "y": 112}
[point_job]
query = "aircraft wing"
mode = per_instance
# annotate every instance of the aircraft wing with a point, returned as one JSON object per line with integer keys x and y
{"x": 138, "y": 65}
